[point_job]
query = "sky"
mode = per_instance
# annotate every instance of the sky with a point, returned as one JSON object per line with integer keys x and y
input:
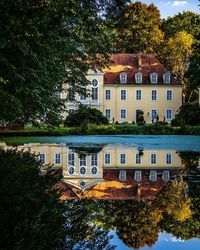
{"x": 172, "y": 7}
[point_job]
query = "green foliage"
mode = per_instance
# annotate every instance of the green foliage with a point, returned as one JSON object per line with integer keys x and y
{"x": 85, "y": 115}
{"x": 31, "y": 215}
{"x": 189, "y": 114}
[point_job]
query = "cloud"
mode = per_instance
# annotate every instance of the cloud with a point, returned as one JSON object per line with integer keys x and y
{"x": 178, "y": 3}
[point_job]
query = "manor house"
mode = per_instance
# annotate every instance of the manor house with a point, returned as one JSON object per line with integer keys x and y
{"x": 130, "y": 84}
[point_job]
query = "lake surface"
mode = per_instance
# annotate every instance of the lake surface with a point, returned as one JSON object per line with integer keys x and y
{"x": 125, "y": 192}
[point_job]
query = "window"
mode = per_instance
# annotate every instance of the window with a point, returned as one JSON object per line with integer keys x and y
{"x": 71, "y": 159}
{"x": 169, "y": 114}
{"x": 108, "y": 113}
{"x": 138, "y": 95}
{"x": 169, "y": 95}
{"x": 71, "y": 111}
{"x": 138, "y": 77}
{"x": 82, "y": 170}
{"x": 94, "y": 90}
{"x": 122, "y": 159}
{"x": 153, "y": 114}
{"x": 123, "y": 77}
{"x": 166, "y": 78}
{"x": 123, "y": 94}
{"x": 153, "y": 159}
{"x": 108, "y": 94}
{"x": 57, "y": 159}
{"x": 107, "y": 158}
{"x": 94, "y": 170}
{"x": 122, "y": 175}
{"x": 71, "y": 170}
{"x": 123, "y": 113}
{"x": 94, "y": 160}
{"x": 71, "y": 94}
{"x": 165, "y": 175}
{"x": 153, "y": 175}
{"x": 168, "y": 158}
{"x": 154, "y": 78}
{"x": 58, "y": 94}
{"x": 42, "y": 158}
{"x": 82, "y": 183}
{"x": 83, "y": 94}
{"x": 138, "y": 175}
{"x": 138, "y": 159}
{"x": 82, "y": 160}
{"x": 154, "y": 95}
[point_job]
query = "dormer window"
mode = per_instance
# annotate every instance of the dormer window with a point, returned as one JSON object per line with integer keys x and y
{"x": 122, "y": 175}
{"x": 154, "y": 78}
{"x": 123, "y": 77}
{"x": 138, "y": 77}
{"x": 166, "y": 77}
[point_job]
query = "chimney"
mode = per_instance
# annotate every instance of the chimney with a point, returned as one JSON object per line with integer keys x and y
{"x": 139, "y": 57}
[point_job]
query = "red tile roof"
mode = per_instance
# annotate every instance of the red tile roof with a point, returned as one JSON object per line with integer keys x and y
{"x": 133, "y": 63}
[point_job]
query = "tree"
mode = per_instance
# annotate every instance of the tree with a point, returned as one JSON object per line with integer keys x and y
{"x": 138, "y": 29}
{"x": 45, "y": 44}
{"x": 84, "y": 115}
{"x": 31, "y": 214}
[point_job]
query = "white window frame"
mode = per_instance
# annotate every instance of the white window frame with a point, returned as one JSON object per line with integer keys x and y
{"x": 151, "y": 113}
{"x": 105, "y": 155}
{"x": 140, "y": 157}
{"x": 109, "y": 95}
{"x": 138, "y": 77}
{"x": 136, "y": 91}
{"x": 92, "y": 167}
{"x": 83, "y": 162}
{"x": 167, "y": 119}
{"x": 124, "y": 158}
{"x": 124, "y": 96}
{"x": 43, "y": 161}
{"x": 125, "y": 114}
{"x": 81, "y": 167}
{"x": 136, "y": 174}
{"x": 154, "y": 177}
{"x": 106, "y": 114}
{"x": 152, "y": 75}
{"x": 167, "y": 76}
{"x": 123, "y": 77}
{"x": 167, "y": 158}
{"x": 122, "y": 175}
{"x": 155, "y": 158}
{"x": 71, "y": 167}
{"x": 56, "y": 158}
{"x": 164, "y": 177}
{"x": 71, "y": 163}
{"x": 96, "y": 160}
{"x": 169, "y": 100}
{"x": 156, "y": 91}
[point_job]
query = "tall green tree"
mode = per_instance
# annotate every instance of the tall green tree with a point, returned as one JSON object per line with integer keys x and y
{"x": 43, "y": 45}
{"x": 31, "y": 214}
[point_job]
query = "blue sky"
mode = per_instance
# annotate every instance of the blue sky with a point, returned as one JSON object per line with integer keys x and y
{"x": 171, "y": 7}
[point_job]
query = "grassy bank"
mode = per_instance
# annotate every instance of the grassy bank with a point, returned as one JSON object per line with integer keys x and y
{"x": 105, "y": 130}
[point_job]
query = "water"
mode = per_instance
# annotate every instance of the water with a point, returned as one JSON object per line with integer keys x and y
{"x": 125, "y": 192}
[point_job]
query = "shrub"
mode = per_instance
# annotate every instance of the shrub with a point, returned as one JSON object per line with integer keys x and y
{"x": 189, "y": 114}
{"x": 85, "y": 115}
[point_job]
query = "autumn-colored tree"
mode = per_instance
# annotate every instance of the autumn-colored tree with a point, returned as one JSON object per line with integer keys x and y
{"x": 138, "y": 29}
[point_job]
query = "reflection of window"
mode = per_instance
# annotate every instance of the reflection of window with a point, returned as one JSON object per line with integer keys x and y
{"x": 153, "y": 158}
{"x": 71, "y": 159}
{"x": 165, "y": 175}
{"x": 168, "y": 158}
{"x": 153, "y": 175}
{"x": 108, "y": 94}
{"x": 108, "y": 113}
{"x": 94, "y": 160}
{"x": 123, "y": 77}
{"x": 154, "y": 95}
{"x": 169, "y": 95}
{"x": 122, "y": 175}
{"x": 122, "y": 159}
{"x": 94, "y": 170}
{"x": 138, "y": 175}
{"x": 83, "y": 160}
{"x": 138, "y": 159}
{"x": 166, "y": 78}
{"x": 123, "y": 114}
{"x": 107, "y": 158}
{"x": 82, "y": 170}
{"x": 138, "y": 77}
{"x": 154, "y": 78}
{"x": 138, "y": 95}
{"x": 42, "y": 158}
{"x": 57, "y": 159}
{"x": 71, "y": 170}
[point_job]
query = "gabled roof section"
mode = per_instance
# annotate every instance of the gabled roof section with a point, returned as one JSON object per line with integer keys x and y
{"x": 132, "y": 64}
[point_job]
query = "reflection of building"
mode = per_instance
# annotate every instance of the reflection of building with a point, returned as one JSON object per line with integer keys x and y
{"x": 109, "y": 172}
{"x": 131, "y": 84}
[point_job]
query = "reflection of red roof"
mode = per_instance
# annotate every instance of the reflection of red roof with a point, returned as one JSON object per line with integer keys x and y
{"x": 129, "y": 63}
{"x": 114, "y": 189}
